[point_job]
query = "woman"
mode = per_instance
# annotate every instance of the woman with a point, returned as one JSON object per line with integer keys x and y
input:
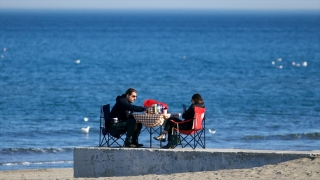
{"x": 196, "y": 100}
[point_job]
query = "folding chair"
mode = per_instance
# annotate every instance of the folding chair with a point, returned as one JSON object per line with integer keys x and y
{"x": 107, "y": 136}
{"x": 196, "y": 135}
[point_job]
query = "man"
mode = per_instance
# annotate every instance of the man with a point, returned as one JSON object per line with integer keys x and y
{"x": 123, "y": 110}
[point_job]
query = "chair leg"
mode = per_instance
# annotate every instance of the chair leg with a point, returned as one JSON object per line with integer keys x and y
{"x": 193, "y": 140}
{"x": 200, "y": 139}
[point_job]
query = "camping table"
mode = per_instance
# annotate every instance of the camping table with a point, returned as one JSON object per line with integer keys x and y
{"x": 153, "y": 122}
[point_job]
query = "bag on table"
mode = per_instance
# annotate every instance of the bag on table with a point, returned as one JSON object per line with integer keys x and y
{"x": 149, "y": 102}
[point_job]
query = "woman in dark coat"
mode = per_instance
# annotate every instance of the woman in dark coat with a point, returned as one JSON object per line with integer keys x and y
{"x": 187, "y": 115}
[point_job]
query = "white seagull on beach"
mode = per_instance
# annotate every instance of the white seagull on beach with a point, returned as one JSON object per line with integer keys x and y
{"x": 86, "y": 130}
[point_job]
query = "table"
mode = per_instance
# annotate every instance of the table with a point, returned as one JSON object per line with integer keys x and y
{"x": 153, "y": 122}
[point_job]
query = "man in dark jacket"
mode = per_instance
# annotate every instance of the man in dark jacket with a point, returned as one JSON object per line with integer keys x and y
{"x": 123, "y": 110}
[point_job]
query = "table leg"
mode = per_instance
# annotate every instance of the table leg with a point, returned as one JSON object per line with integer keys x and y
{"x": 150, "y": 137}
{"x": 160, "y": 133}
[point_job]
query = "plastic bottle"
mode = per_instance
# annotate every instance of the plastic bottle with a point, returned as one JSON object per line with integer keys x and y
{"x": 158, "y": 109}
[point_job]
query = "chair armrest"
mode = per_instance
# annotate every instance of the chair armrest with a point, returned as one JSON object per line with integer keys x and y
{"x": 181, "y": 122}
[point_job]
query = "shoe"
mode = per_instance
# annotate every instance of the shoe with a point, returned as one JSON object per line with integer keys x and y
{"x": 130, "y": 146}
{"x": 138, "y": 145}
{"x": 162, "y": 138}
{"x": 168, "y": 146}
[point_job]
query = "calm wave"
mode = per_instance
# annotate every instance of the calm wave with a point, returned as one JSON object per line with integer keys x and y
{"x": 258, "y": 73}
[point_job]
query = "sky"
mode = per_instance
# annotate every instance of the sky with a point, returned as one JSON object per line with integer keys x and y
{"x": 163, "y": 4}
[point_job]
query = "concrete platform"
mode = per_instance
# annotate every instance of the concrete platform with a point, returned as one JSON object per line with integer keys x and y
{"x": 108, "y": 162}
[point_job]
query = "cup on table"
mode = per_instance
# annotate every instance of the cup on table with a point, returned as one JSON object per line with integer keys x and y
{"x": 165, "y": 111}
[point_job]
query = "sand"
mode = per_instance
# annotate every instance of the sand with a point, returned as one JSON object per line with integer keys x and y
{"x": 304, "y": 168}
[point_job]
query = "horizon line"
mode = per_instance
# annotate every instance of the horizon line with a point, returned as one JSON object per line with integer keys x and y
{"x": 166, "y": 9}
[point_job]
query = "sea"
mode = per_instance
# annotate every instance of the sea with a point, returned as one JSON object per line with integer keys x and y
{"x": 257, "y": 71}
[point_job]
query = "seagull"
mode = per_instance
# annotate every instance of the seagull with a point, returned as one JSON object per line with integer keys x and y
{"x": 77, "y": 61}
{"x": 272, "y": 62}
{"x": 86, "y": 119}
{"x": 304, "y": 63}
{"x": 293, "y": 63}
{"x": 212, "y": 132}
{"x": 279, "y": 59}
{"x": 86, "y": 130}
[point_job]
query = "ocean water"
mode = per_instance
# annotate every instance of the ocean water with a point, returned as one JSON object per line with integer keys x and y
{"x": 258, "y": 73}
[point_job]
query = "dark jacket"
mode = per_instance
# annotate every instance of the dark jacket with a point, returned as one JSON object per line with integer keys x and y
{"x": 188, "y": 114}
{"x": 123, "y": 108}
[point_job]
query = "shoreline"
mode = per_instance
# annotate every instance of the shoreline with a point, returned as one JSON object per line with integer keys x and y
{"x": 303, "y": 168}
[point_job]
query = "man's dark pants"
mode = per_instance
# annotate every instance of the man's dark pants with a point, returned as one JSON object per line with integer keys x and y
{"x": 129, "y": 127}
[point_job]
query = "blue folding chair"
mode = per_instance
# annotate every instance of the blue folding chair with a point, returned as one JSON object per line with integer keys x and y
{"x": 108, "y": 136}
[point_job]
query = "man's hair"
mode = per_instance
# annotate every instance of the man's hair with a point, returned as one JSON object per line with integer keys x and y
{"x": 130, "y": 91}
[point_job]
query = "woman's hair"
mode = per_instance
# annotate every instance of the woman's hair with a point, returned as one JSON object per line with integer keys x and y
{"x": 130, "y": 91}
{"x": 197, "y": 99}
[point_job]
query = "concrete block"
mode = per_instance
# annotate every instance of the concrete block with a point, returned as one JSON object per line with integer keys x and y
{"x": 109, "y": 162}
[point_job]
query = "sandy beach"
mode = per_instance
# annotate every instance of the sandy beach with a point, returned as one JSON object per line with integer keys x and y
{"x": 304, "y": 168}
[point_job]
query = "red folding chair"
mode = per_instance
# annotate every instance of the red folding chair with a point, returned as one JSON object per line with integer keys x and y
{"x": 196, "y": 135}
